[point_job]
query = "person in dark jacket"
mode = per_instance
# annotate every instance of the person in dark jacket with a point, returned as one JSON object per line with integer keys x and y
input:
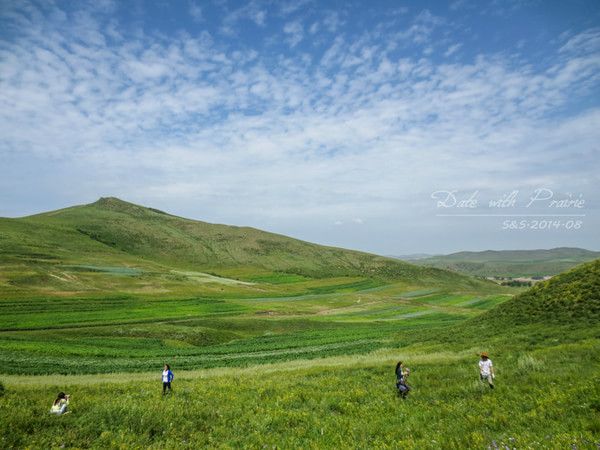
{"x": 402, "y": 374}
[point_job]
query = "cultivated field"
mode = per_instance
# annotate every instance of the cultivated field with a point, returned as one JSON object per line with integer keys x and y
{"x": 125, "y": 333}
{"x": 312, "y": 371}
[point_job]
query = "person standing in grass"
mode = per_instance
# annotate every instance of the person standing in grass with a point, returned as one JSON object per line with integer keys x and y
{"x": 486, "y": 370}
{"x": 167, "y": 377}
{"x": 60, "y": 405}
{"x": 402, "y": 374}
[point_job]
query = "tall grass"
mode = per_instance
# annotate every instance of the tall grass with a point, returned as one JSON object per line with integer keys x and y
{"x": 347, "y": 402}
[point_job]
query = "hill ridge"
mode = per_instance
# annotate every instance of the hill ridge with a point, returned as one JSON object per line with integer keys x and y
{"x": 113, "y": 232}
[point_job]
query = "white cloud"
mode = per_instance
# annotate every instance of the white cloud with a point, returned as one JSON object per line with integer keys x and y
{"x": 294, "y": 31}
{"x": 452, "y": 50}
{"x": 265, "y": 138}
{"x": 422, "y": 27}
{"x": 252, "y": 11}
{"x": 587, "y": 42}
{"x": 195, "y": 11}
{"x": 291, "y": 7}
{"x": 259, "y": 17}
{"x": 332, "y": 21}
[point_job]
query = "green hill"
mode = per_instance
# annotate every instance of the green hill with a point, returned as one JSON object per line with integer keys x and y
{"x": 571, "y": 297}
{"x": 511, "y": 263}
{"x": 283, "y": 344}
{"x": 93, "y": 247}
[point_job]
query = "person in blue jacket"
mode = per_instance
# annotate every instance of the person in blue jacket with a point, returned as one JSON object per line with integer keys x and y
{"x": 167, "y": 377}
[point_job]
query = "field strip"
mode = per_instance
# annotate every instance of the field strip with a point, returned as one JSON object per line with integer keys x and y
{"x": 433, "y": 306}
{"x": 202, "y": 277}
{"x": 316, "y": 295}
{"x": 343, "y": 309}
{"x": 419, "y": 293}
{"x": 385, "y": 356}
{"x": 295, "y": 298}
{"x": 93, "y": 323}
{"x": 410, "y": 315}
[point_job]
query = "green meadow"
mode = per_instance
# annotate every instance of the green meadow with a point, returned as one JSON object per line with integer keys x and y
{"x": 544, "y": 399}
{"x": 277, "y": 343}
{"x": 303, "y": 371}
{"x": 106, "y": 334}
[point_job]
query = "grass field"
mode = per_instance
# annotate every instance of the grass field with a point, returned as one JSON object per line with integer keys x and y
{"x": 302, "y": 371}
{"x": 272, "y": 354}
{"x": 282, "y": 365}
{"x": 544, "y": 399}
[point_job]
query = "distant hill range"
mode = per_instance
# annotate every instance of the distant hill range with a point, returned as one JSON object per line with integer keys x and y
{"x": 570, "y": 297}
{"x": 87, "y": 247}
{"x": 510, "y": 263}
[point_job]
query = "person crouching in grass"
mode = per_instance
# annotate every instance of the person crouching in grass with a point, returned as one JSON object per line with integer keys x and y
{"x": 60, "y": 405}
{"x": 486, "y": 370}
{"x": 167, "y": 377}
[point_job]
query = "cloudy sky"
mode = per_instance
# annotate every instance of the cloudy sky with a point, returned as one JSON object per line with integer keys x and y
{"x": 331, "y": 122}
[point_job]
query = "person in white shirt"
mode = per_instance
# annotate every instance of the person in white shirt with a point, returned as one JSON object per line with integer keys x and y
{"x": 486, "y": 370}
{"x": 167, "y": 377}
{"x": 60, "y": 405}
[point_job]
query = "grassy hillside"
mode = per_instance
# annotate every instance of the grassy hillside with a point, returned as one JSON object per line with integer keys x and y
{"x": 277, "y": 342}
{"x": 571, "y": 297}
{"x": 511, "y": 263}
{"x": 115, "y": 246}
{"x": 114, "y": 286}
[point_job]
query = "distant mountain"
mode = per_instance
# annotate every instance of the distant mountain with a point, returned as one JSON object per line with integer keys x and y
{"x": 511, "y": 263}
{"x": 113, "y": 237}
{"x": 412, "y": 256}
{"x": 571, "y": 297}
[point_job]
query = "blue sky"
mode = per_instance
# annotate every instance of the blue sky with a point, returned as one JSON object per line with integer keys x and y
{"x": 332, "y": 122}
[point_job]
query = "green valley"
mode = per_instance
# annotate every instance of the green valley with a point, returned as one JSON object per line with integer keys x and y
{"x": 277, "y": 342}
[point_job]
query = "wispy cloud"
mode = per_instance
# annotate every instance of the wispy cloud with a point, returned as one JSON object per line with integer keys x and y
{"x": 293, "y": 6}
{"x": 253, "y": 11}
{"x": 452, "y": 50}
{"x": 196, "y": 11}
{"x": 360, "y": 131}
{"x": 294, "y": 31}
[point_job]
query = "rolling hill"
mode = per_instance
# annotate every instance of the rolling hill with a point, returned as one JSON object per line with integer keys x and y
{"x": 570, "y": 297}
{"x": 510, "y": 263}
{"x": 111, "y": 245}
{"x": 276, "y": 342}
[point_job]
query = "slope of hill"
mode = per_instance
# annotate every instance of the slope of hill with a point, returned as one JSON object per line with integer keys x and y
{"x": 571, "y": 297}
{"x": 511, "y": 263}
{"x": 85, "y": 246}
{"x": 321, "y": 364}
